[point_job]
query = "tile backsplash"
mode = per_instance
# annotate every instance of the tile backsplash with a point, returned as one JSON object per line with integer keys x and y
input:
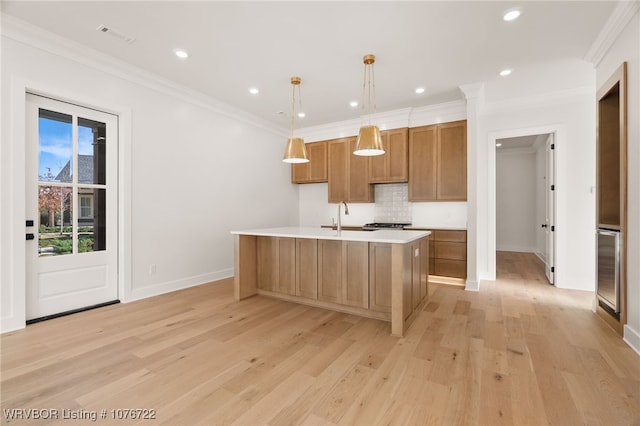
{"x": 392, "y": 203}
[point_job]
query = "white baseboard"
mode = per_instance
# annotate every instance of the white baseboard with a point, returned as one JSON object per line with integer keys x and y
{"x": 472, "y": 286}
{"x": 9, "y": 324}
{"x": 170, "y": 286}
{"x": 632, "y": 338}
{"x": 516, "y": 249}
{"x": 541, "y": 256}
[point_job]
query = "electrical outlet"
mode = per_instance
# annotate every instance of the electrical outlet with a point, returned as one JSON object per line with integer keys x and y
{"x": 417, "y": 253}
{"x": 152, "y": 269}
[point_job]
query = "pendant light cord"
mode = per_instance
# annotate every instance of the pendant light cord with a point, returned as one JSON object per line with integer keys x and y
{"x": 293, "y": 107}
{"x": 369, "y": 77}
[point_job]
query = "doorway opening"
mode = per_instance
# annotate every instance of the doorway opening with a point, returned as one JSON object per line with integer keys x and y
{"x": 525, "y": 197}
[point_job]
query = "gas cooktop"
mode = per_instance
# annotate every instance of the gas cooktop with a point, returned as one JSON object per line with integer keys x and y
{"x": 383, "y": 225}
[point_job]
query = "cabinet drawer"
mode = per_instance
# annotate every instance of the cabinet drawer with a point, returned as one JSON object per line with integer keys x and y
{"x": 453, "y": 236}
{"x": 452, "y": 251}
{"x": 450, "y": 268}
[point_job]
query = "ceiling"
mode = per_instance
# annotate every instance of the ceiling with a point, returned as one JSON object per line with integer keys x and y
{"x": 237, "y": 45}
{"x": 521, "y": 142}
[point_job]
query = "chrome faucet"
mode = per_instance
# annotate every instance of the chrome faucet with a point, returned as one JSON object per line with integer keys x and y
{"x": 346, "y": 211}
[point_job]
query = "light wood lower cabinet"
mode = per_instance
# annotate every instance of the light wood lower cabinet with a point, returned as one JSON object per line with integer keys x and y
{"x": 380, "y": 267}
{"x": 307, "y": 268}
{"x": 329, "y": 270}
{"x": 277, "y": 264}
{"x": 380, "y": 277}
{"x": 450, "y": 254}
{"x": 376, "y": 280}
{"x": 447, "y": 261}
{"x": 343, "y": 272}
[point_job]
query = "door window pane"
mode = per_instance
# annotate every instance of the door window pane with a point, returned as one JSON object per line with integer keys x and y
{"x": 54, "y": 147}
{"x": 92, "y": 229}
{"x": 55, "y": 236}
{"x": 91, "y": 151}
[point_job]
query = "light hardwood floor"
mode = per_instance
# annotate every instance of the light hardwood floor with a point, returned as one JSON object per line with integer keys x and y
{"x": 519, "y": 352}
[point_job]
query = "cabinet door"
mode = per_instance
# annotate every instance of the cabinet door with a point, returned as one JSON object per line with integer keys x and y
{"x": 338, "y": 158}
{"x": 359, "y": 189}
{"x": 416, "y": 273}
{"x": 380, "y": 277}
{"x": 399, "y": 156}
{"x": 422, "y": 163}
{"x": 286, "y": 266}
{"x": 266, "y": 263}
{"x": 452, "y": 161}
{"x": 316, "y": 169}
{"x": 330, "y": 271}
{"x": 307, "y": 268}
{"x": 424, "y": 267}
{"x": 355, "y": 274}
{"x": 393, "y": 166}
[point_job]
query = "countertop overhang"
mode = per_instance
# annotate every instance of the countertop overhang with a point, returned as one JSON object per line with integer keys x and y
{"x": 379, "y": 236}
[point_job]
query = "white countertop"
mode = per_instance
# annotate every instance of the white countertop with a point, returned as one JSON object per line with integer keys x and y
{"x": 380, "y": 236}
{"x": 437, "y": 228}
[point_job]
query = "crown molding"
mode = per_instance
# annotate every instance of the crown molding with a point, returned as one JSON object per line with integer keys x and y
{"x": 36, "y": 37}
{"x": 539, "y": 100}
{"x": 405, "y": 117}
{"x": 618, "y": 20}
{"x": 439, "y": 113}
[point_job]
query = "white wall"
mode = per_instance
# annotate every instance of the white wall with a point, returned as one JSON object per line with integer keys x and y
{"x": 627, "y": 48}
{"x": 516, "y": 200}
{"x": 192, "y": 169}
{"x": 571, "y": 116}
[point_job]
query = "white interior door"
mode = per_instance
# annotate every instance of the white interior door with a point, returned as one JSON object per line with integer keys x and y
{"x": 71, "y": 197}
{"x": 550, "y": 211}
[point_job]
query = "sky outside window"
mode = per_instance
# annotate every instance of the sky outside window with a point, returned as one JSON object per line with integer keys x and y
{"x": 55, "y": 144}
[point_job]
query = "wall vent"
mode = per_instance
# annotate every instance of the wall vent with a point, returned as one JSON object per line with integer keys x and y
{"x": 115, "y": 33}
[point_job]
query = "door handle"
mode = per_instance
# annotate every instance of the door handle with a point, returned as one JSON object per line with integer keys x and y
{"x": 544, "y": 225}
{"x": 31, "y": 237}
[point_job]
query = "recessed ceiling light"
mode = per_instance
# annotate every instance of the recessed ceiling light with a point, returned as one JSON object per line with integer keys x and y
{"x": 181, "y": 53}
{"x": 353, "y": 104}
{"x": 498, "y": 145}
{"x": 301, "y": 114}
{"x": 254, "y": 90}
{"x": 419, "y": 90}
{"x": 506, "y": 72}
{"x": 511, "y": 14}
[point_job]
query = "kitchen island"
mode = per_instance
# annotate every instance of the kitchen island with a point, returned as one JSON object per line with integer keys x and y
{"x": 379, "y": 274}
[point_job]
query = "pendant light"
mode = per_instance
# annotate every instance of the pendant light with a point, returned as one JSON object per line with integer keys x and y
{"x": 369, "y": 142}
{"x": 295, "y": 152}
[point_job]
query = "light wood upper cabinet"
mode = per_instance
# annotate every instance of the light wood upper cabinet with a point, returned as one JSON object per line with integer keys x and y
{"x": 438, "y": 162}
{"x": 393, "y": 166}
{"x": 452, "y": 161}
{"x": 348, "y": 173}
{"x": 423, "y": 154}
{"x": 316, "y": 169}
